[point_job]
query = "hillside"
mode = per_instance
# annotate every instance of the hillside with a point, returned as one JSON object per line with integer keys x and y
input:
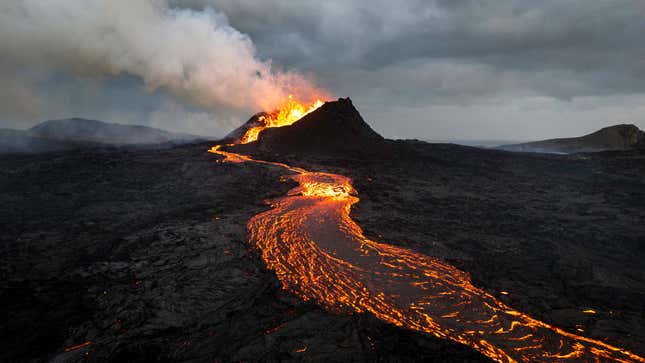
{"x": 75, "y": 133}
{"x": 618, "y": 137}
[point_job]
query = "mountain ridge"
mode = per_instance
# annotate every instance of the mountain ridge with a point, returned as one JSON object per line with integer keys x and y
{"x": 104, "y": 132}
{"x": 77, "y": 133}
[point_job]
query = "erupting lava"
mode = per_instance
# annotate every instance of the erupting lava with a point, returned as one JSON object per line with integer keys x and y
{"x": 290, "y": 112}
{"x": 319, "y": 253}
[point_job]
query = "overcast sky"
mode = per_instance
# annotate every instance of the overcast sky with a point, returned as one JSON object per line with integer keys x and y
{"x": 437, "y": 70}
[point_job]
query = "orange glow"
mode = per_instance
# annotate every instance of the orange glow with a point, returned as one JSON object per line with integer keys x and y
{"x": 76, "y": 347}
{"x": 290, "y": 111}
{"x": 320, "y": 254}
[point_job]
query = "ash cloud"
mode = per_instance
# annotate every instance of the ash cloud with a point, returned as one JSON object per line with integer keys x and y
{"x": 194, "y": 55}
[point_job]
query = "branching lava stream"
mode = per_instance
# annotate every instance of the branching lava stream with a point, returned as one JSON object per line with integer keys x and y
{"x": 320, "y": 254}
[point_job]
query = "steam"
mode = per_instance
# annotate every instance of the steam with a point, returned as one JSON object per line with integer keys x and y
{"x": 194, "y": 55}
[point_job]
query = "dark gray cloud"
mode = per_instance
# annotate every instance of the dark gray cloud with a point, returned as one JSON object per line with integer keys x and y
{"x": 449, "y": 68}
{"x": 596, "y": 44}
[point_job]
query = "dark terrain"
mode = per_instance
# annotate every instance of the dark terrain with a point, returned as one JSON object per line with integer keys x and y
{"x": 612, "y": 138}
{"x": 143, "y": 252}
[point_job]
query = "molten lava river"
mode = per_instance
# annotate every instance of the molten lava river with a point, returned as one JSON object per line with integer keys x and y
{"x": 319, "y": 253}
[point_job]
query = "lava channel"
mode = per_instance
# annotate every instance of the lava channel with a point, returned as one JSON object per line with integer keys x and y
{"x": 320, "y": 254}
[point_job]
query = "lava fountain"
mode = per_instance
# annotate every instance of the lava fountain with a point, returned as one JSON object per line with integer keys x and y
{"x": 289, "y": 112}
{"x": 320, "y": 254}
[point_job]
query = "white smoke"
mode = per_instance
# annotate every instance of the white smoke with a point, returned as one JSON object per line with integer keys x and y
{"x": 194, "y": 55}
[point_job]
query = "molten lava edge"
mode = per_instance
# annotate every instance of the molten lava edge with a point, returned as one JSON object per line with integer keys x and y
{"x": 319, "y": 253}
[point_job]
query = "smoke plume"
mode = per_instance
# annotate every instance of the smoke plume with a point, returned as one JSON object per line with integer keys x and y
{"x": 195, "y": 55}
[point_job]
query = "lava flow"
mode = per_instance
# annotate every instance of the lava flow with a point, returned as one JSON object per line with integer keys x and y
{"x": 320, "y": 254}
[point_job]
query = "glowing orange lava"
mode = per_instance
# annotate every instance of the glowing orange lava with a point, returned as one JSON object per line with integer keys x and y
{"x": 320, "y": 254}
{"x": 79, "y": 346}
{"x": 290, "y": 112}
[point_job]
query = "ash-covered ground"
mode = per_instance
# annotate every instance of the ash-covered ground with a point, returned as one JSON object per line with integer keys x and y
{"x": 141, "y": 255}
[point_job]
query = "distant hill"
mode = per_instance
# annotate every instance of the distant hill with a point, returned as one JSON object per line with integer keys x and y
{"x": 75, "y": 133}
{"x": 102, "y": 132}
{"x": 618, "y": 137}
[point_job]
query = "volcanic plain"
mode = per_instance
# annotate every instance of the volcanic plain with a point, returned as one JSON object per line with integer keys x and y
{"x": 142, "y": 255}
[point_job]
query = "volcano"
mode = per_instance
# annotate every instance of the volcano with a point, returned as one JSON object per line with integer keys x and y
{"x": 334, "y": 128}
